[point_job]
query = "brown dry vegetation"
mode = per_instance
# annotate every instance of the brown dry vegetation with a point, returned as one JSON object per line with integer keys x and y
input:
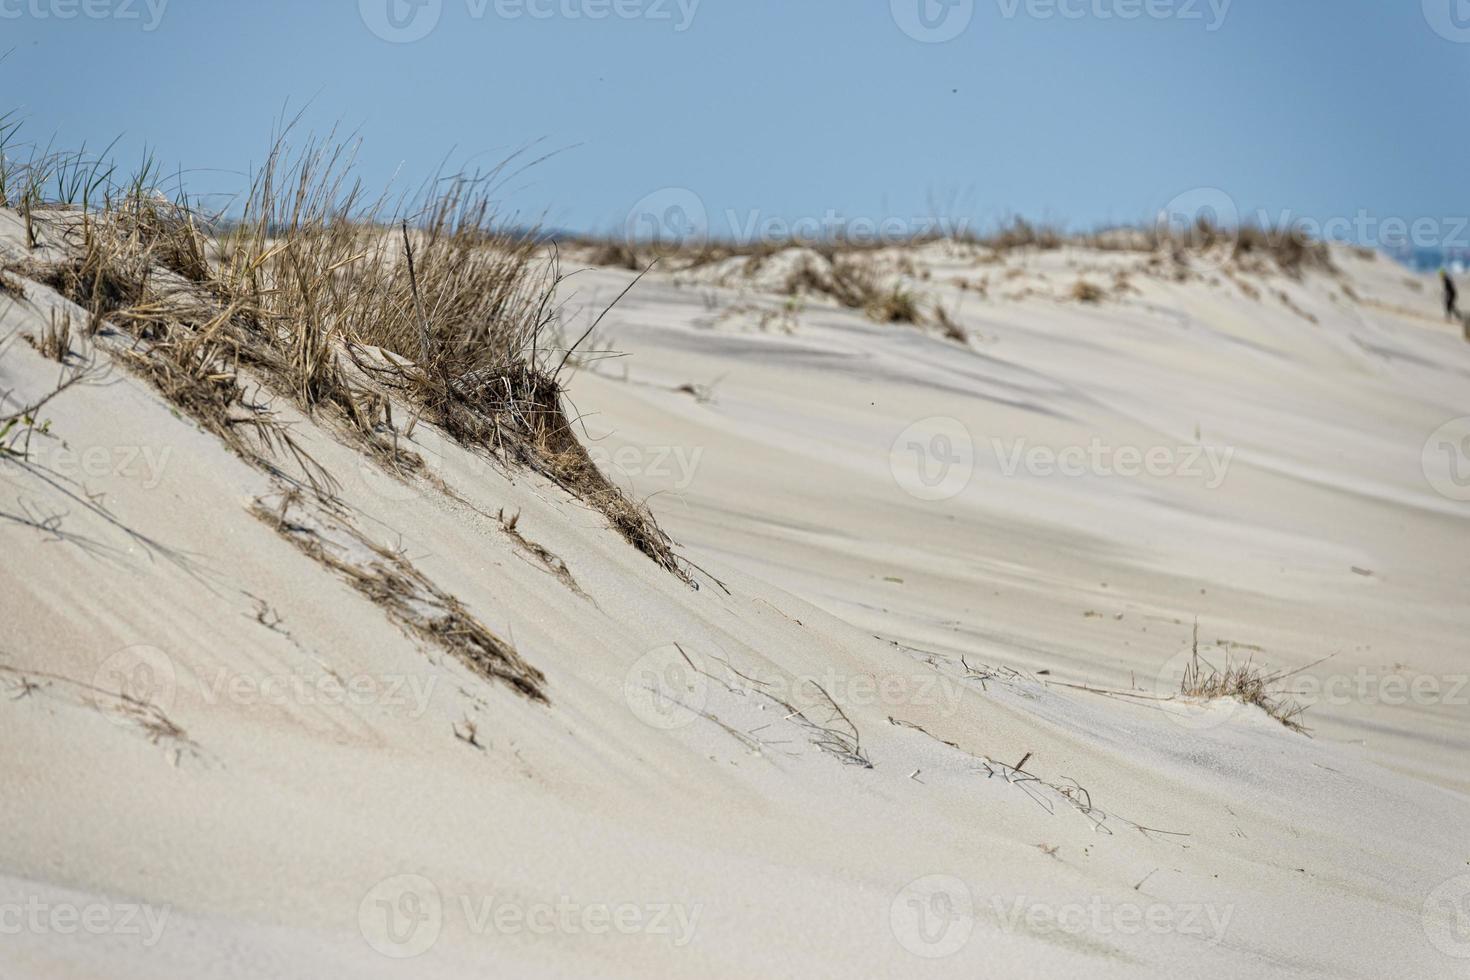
{"x": 55, "y": 339}
{"x": 843, "y": 272}
{"x": 1245, "y": 682}
{"x": 949, "y": 327}
{"x": 856, "y": 284}
{"x": 303, "y": 290}
{"x": 392, "y": 582}
{"x": 1087, "y": 292}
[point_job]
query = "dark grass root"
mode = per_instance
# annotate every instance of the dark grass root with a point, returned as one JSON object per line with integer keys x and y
{"x": 517, "y": 411}
{"x": 94, "y": 281}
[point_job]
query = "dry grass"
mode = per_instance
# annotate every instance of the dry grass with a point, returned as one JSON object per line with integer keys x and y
{"x": 1250, "y": 291}
{"x": 819, "y": 716}
{"x": 620, "y": 252}
{"x": 856, "y": 283}
{"x": 1245, "y": 682}
{"x": 1251, "y": 247}
{"x": 1087, "y": 292}
{"x": 1020, "y": 234}
{"x": 949, "y": 327}
{"x": 396, "y": 585}
{"x": 55, "y": 339}
{"x": 618, "y": 255}
{"x": 102, "y": 275}
{"x": 894, "y": 305}
{"x": 537, "y": 553}
{"x": 312, "y": 274}
{"x": 120, "y": 706}
{"x": 1289, "y": 248}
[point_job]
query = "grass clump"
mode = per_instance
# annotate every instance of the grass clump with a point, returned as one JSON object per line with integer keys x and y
{"x": 1292, "y": 251}
{"x": 1087, "y": 292}
{"x": 616, "y": 254}
{"x": 1244, "y": 681}
{"x": 1250, "y": 246}
{"x": 306, "y": 289}
{"x": 1020, "y": 233}
{"x": 856, "y": 284}
{"x": 894, "y": 305}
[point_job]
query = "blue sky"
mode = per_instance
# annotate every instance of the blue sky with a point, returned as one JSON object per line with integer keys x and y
{"x": 1055, "y": 109}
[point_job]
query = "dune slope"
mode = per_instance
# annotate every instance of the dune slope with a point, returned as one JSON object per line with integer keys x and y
{"x": 909, "y": 723}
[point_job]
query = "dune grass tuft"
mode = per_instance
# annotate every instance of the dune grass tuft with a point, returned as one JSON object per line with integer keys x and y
{"x": 856, "y": 283}
{"x": 1244, "y": 681}
{"x": 306, "y": 288}
{"x": 1087, "y": 292}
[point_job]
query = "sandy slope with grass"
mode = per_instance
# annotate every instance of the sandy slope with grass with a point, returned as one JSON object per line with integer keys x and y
{"x": 916, "y": 715}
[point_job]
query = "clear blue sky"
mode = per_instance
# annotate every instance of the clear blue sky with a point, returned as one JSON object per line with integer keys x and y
{"x": 791, "y": 107}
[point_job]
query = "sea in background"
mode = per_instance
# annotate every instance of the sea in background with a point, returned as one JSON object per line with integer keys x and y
{"x": 1432, "y": 259}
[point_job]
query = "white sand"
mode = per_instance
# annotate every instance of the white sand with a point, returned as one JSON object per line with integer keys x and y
{"x": 612, "y": 834}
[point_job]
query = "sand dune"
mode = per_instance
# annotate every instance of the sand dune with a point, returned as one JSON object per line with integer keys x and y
{"x": 918, "y": 715}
